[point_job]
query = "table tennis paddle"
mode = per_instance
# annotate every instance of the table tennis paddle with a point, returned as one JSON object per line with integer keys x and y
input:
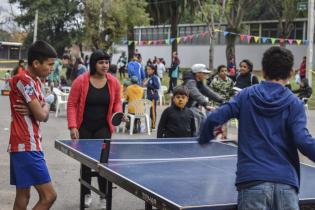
{"x": 117, "y": 118}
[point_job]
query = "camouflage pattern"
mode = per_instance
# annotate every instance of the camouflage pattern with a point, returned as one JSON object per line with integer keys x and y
{"x": 222, "y": 87}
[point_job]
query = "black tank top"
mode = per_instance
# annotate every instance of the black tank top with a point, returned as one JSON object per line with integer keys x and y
{"x": 96, "y": 108}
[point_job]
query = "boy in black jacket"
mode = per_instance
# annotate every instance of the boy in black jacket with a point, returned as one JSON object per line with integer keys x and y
{"x": 177, "y": 120}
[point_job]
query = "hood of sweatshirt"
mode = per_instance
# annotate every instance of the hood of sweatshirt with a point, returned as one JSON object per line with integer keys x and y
{"x": 188, "y": 76}
{"x": 270, "y": 98}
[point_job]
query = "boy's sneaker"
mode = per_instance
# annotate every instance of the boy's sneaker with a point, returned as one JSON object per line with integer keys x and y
{"x": 87, "y": 200}
{"x": 102, "y": 203}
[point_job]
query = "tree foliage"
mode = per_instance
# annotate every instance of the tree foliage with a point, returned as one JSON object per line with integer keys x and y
{"x": 58, "y": 20}
{"x": 235, "y": 11}
{"x": 170, "y": 12}
{"x": 107, "y": 21}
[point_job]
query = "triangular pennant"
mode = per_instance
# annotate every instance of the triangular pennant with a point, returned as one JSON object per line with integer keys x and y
{"x": 141, "y": 42}
{"x": 203, "y": 34}
{"x": 190, "y": 37}
{"x": 172, "y": 40}
{"x": 242, "y": 37}
{"x": 185, "y": 38}
{"x": 290, "y": 41}
{"x": 149, "y": 42}
{"x": 216, "y": 30}
{"x": 298, "y": 41}
{"x": 130, "y": 42}
{"x": 225, "y": 33}
{"x": 136, "y": 42}
{"x": 249, "y": 37}
{"x": 306, "y": 42}
{"x": 167, "y": 41}
{"x": 257, "y": 39}
{"x": 264, "y": 39}
{"x": 125, "y": 42}
{"x": 273, "y": 40}
{"x": 178, "y": 39}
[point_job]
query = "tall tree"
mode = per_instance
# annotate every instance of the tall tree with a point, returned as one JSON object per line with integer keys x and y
{"x": 235, "y": 11}
{"x": 170, "y": 12}
{"x": 56, "y": 20}
{"x": 285, "y": 12}
{"x": 212, "y": 10}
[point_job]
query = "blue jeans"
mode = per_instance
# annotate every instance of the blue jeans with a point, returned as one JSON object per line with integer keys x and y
{"x": 268, "y": 196}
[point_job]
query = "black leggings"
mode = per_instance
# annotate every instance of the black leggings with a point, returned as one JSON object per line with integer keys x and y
{"x": 102, "y": 133}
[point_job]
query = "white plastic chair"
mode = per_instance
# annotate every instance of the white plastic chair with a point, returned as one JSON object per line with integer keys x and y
{"x": 65, "y": 89}
{"x": 142, "y": 110}
{"x": 62, "y": 99}
{"x": 162, "y": 90}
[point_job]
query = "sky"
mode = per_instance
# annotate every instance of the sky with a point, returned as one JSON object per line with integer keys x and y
{"x": 5, "y": 11}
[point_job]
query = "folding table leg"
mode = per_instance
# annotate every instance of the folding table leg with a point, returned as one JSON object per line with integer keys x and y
{"x": 109, "y": 195}
{"x": 83, "y": 189}
{"x": 148, "y": 206}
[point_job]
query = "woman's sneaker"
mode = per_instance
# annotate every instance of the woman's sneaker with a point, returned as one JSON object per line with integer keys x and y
{"x": 87, "y": 200}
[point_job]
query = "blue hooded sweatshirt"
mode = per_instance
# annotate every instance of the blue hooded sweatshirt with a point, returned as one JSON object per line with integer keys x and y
{"x": 272, "y": 128}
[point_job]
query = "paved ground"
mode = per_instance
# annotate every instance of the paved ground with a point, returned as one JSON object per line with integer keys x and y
{"x": 64, "y": 170}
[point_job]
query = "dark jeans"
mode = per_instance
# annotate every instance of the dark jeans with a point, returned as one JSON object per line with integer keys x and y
{"x": 102, "y": 133}
{"x": 172, "y": 84}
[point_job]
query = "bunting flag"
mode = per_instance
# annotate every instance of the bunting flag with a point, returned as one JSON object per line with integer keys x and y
{"x": 243, "y": 37}
{"x": 290, "y": 41}
{"x": 249, "y": 37}
{"x": 203, "y": 34}
{"x": 264, "y": 39}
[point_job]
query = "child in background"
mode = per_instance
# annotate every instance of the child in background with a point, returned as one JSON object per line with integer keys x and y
{"x": 305, "y": 91}
{"x": 246, "y": 77}
{"x": 153, "y": 86}
{"x": 177, "y": 120}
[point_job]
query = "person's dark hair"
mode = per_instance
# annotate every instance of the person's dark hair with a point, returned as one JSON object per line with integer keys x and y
{"x": 181, "y": 90}
{"x": 249, "y": 64}
{"x": 305, "y": 82}
{"x": 220, "y": 67}
{"x": 96, "y": 56}
{"x": 151, "y": 66}
{"x": 66, "y": 57}
{"x": 112, "y": 69}
{"x": 277, "y": 63}
{"x": 41, "y": 51}
{"x": 21, "y": 61}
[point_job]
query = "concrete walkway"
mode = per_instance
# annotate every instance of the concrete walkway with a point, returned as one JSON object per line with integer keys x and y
{"x": 63, "y": 169}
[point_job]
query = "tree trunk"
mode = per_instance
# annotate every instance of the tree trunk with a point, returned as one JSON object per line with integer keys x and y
{"x": 131, "y": 47}
{"x": 174, "y": 32}
{"x": 211, "y": 53}
{"x": 230, "y": 47}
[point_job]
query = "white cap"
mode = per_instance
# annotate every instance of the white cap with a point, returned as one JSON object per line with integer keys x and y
{"x": 199, "y": 68}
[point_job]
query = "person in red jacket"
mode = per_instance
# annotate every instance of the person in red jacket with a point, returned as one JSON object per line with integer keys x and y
{"x": 93, "y": 99}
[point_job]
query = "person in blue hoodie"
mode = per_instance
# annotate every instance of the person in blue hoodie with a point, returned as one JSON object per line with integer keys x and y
{"x": 153, "y": 86}
{"x": 272, "y": 128}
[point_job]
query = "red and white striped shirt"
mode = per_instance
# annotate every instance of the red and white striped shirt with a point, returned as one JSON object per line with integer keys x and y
{"x": 25, "y": 132}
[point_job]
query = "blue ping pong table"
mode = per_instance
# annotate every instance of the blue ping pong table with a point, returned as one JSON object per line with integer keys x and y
{"x": 171, "y": 173}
